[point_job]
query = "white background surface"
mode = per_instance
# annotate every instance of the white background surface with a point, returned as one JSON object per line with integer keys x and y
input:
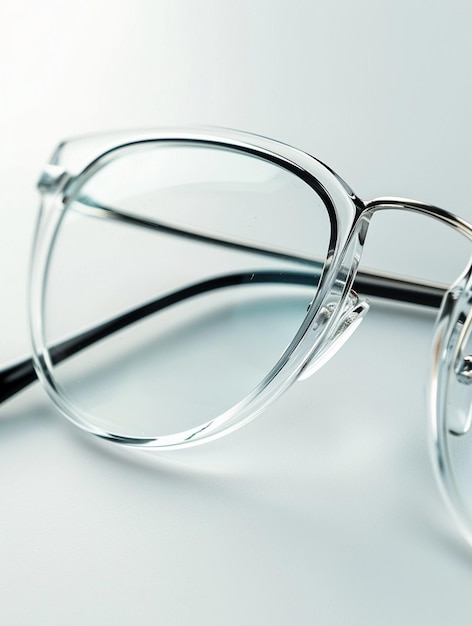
{"x": 324, "y": 510}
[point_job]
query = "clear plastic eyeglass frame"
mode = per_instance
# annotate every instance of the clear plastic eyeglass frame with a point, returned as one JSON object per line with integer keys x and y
{"x": 333, "y": 314}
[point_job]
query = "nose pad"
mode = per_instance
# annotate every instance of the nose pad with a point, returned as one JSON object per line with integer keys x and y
{"x": 452, "y": 364}
{"x": 353, "y": 314}
{"x": 459, "y": 396}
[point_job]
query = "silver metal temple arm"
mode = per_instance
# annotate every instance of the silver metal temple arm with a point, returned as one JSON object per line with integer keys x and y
{"x": 368, "y": 282}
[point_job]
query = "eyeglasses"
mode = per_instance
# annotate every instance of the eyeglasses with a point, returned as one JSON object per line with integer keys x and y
{"x": 181, "y": 281}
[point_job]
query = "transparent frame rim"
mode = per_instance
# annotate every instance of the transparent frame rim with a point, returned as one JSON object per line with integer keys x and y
{"x": 342, "y": 207}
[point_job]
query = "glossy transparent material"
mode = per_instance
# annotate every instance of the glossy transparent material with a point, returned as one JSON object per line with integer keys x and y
{"x": 209, "y": 261}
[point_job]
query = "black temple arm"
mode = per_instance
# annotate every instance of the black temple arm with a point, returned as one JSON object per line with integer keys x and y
{"x": 19, "y": 375}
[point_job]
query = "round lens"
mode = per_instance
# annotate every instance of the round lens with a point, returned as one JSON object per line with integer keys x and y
{"x": 183, "y": 273}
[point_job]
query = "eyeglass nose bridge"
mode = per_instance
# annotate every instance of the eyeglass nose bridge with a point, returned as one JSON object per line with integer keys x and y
{"x": 354, "y": 312}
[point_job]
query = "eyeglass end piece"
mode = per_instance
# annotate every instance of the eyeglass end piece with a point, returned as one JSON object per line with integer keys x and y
{"x": 53, "y": 179}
